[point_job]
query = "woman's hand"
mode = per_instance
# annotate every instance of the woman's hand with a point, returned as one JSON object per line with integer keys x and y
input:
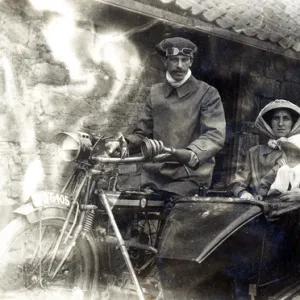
{"x": 293, "y": 195}
{"x": 246, "y": 196}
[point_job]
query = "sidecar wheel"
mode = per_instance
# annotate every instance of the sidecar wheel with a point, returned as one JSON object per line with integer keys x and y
{"x": 25, "y": 254}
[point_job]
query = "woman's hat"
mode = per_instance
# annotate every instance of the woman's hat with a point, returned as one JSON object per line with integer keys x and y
{"x": 262, "y": 119}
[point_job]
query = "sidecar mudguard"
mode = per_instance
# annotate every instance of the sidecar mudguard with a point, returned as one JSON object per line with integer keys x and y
{"x": 193, "y": 230}
{"x": 34, "y": 214}
{"x": 223, "y": 246}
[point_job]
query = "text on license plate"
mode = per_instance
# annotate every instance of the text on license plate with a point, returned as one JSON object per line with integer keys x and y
{"x": 44, "y": 198}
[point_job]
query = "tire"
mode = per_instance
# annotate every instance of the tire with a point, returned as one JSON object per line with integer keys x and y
{"x": 24, "y": 265}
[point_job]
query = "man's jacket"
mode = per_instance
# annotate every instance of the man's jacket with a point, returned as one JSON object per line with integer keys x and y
{"x": 190, "y": 116}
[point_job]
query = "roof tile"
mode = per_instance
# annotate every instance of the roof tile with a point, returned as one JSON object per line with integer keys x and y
{"x": 274, "y": 36}
{"x": 276, "y": 21}
{"x": 184, "y": 4}
{"x": 225, "y": 21}
{"x": 250, "y": 32}
{"x": 263, "y": 34}
{"x": 286, "y": 42}
{"x": 198, "y": 8}
{"x": 296, "y": 46}
{"x": 212, "y": 14}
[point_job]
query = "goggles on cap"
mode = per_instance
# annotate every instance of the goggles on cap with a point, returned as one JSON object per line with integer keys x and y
{"x": 176, "y": 51}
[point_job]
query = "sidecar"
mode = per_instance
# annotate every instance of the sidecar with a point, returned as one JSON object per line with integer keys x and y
{"x": 226, "y": 248}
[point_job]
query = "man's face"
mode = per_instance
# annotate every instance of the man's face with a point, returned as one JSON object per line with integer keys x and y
{"x": 178, "y": 66}
{"x": 281, "y": 123}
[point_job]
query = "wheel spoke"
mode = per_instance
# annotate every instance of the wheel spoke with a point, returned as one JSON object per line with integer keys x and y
{"x": 25, "y": 263}
{"x": 38, "y": 248}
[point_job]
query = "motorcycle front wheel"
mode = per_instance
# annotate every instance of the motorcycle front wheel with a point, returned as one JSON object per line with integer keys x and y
{"x": 26, "y": 251}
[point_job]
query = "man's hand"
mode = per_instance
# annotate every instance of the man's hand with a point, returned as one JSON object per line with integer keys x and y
{"x": 112, "y": 146}
{"x": 246, "y": 196}
{"x": 163, "y": 157}
{"x": 293, "y": 195}
{"x": 118, "y": 144}
{"x": 183, "y": 155}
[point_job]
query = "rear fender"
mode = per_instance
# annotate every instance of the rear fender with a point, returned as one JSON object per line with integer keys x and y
{"x": 34, "y": 214}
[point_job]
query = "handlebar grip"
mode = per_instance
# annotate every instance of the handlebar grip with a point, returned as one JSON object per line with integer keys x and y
{"x": 151, "y": 148}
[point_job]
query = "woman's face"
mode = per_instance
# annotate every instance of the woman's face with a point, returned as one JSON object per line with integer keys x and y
{"x": 281, "y": 123}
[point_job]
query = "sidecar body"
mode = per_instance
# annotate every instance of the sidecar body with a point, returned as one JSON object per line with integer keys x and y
{"x": 220, "y": 248}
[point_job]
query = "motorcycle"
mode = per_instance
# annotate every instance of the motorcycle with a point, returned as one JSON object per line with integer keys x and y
{"x": 92, "y": 240}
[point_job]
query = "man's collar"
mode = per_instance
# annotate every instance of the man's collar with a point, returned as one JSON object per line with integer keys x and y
{"x": 183, "y": 90}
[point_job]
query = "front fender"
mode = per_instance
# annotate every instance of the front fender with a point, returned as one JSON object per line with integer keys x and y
{"x": 34, "y": 214}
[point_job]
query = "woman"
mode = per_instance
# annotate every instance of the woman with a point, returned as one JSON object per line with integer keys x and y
{"x": 279, "y": 118}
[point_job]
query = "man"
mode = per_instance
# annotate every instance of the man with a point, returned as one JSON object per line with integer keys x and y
{"x": 183, "y": 113}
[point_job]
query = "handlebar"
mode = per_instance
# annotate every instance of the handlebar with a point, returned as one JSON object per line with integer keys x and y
{"x": 117, "y": 160}
{"x": 151, "y": 150}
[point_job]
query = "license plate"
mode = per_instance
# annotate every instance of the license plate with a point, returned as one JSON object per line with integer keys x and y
{"x": 49, "y": 198}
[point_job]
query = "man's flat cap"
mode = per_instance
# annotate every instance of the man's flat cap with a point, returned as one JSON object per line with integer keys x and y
{"x": 175, "y": 46}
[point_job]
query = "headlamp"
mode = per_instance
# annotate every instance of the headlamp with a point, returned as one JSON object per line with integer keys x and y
{"x": 74, "y": 146}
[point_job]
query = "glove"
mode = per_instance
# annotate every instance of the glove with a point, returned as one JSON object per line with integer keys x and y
{"x": 119, "y": 144}
{"x": 183, "y": 155}
{"x": 112, "y": 146}
{"x": 163, "y": 157}
{"x": 246, "y": 196}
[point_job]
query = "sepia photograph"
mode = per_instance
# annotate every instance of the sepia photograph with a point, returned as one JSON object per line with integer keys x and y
{"x": 150, "y": 149}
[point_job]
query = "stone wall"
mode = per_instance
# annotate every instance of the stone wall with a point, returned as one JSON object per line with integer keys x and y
{"x": 58, "y": 73}
{"x": 72, "y": 67}
{"x": 264, "y": 77}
